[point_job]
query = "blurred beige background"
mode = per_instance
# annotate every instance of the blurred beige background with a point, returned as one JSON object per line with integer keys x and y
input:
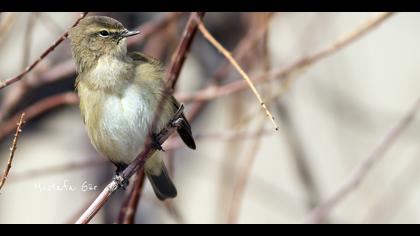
{"x": 338, "y": 110}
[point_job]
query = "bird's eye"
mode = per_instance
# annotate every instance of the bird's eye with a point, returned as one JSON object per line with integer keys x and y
{"x": 104, "y": 33}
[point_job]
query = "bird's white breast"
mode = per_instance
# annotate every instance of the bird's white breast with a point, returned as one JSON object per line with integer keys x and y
{"x": 125, "y": 120}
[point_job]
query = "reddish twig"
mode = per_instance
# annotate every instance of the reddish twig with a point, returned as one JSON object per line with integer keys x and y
{"x": 362, "y": 170}
{"x": 14, "y": 79}
{"x": 12, "y": 150}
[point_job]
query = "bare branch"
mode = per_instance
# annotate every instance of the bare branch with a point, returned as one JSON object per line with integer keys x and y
{"x": 362, "y": 170}
{"x": 12, "y": 150}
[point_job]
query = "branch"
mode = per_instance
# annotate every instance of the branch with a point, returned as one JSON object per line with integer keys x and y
{"x": 361, "y": 171}
{"x": 138, "y": 163}
{"x": 212, "y": 92}
{"x": 235, "y": 64}
{"x": 12, "y": 150}
{"x": 12, "y": 80}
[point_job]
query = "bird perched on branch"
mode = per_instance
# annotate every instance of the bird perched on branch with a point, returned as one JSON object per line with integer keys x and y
{"x": 119, "y": 95}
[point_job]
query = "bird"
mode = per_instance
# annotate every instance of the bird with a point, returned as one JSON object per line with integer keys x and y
{"x": 119, "y": 93}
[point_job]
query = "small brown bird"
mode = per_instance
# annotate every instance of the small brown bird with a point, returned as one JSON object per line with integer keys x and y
{"x": 119, "y": 94}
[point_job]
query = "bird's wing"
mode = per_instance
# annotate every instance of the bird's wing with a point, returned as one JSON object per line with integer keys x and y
{"x": 141, "y": 57}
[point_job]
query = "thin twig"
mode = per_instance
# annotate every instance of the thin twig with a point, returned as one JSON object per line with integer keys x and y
{"x": 235, "y": 64}
{"x": 14, "y": 79}
{"x": 362, "y": 170}
{"x": 12, "y": 150}
{"x": 212, "y": 92}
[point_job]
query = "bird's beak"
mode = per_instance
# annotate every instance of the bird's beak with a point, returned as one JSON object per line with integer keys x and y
{"x": 127, "y": 33}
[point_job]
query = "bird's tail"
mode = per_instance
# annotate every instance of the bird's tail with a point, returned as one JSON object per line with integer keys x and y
{"x": 158, "y": 176}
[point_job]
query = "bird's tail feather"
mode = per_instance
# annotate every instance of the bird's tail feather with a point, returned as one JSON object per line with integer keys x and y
{"x": 162, "y": 184}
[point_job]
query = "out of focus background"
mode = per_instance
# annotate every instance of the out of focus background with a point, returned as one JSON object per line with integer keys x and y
{"x": 338, "y": 83}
